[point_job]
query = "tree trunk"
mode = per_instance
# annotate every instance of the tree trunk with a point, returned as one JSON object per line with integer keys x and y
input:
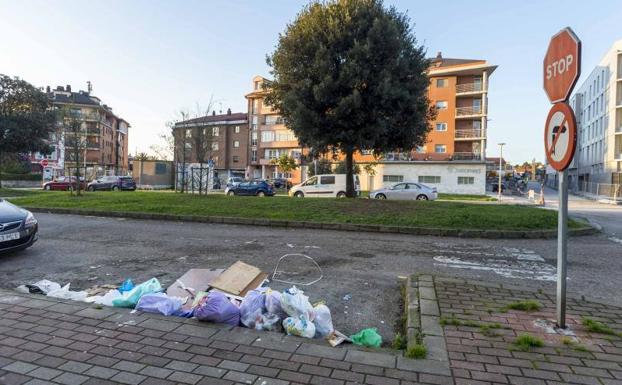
{"x": 0, "y": 169}
{"x": 350, "y": 193}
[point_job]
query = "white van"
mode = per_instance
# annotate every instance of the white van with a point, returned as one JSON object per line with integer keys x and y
{"x": 329, "y": 185}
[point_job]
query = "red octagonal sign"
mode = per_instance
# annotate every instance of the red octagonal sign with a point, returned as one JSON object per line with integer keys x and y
{"x": 562, "y": 65}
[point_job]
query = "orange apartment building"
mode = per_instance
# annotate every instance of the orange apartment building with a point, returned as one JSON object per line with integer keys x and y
{"x": 453, "y": 158}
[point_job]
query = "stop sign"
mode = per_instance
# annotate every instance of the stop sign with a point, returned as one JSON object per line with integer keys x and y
{"x": 562, "y": 65}
{"x": 44, "y": 163}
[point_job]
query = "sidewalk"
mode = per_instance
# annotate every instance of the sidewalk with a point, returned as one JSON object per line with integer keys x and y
{"x": 47, "y": 341}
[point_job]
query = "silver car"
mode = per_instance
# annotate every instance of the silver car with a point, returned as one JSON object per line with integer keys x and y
{"x": 406, "y": 191}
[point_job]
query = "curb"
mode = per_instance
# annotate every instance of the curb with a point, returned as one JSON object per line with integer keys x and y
{"x": 423, "y": 325}
{"x": 440, "y": 232}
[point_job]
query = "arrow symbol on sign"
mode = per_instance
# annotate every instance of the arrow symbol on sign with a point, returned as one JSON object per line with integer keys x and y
{"x": 557, "y": 133}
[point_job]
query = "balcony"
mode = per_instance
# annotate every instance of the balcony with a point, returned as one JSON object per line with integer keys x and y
{"x": 466, "y": 112}
{"x": 469, "y": 88}
{"x": 469, "y": 134}
{"x": 467, "y": 156}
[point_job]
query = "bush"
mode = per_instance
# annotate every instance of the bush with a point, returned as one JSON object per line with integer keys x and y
{"x": 417, "y": 351}
{"x": 525, "y": 342}
{"x": 34, "y": 177}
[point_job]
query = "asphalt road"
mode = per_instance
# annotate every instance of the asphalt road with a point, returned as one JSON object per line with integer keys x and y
{"x": 361, "y": 270}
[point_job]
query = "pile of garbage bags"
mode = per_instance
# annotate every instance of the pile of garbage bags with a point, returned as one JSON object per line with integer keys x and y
{"x": 261, "y": 309}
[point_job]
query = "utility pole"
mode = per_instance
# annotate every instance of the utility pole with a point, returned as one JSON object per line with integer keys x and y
{"x": 500, "y": 170}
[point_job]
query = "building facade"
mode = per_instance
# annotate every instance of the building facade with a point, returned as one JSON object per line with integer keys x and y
{"x": 102, "y": 141}
{"x": 269, "y": 138}
{"x": 221, "y": 140}
{"x": 597, "y": 104}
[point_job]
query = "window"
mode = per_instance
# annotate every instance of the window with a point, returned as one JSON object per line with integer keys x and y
{"x": 237, "y": 129}
{"x": 466, "y": 180}
{"x": 257, "y": 84}
{"x": 254, "y": 123}
{"x": 441, "y": 105}
{"x": 273, "y": 119}
{"x": 236, "y": 159}
{"x": 311, "y": 181}
{"x": 214, "y": 146}
{"x": 401, "y": 186}
{"x": 429, "y": 179}
{"x": 267, "y": 136}
{"x": 441, "y": 83}
{"x": 188, "y": 133}
{"x": 477, "y": 124}
{"x": 440, "y": 148}
{"x": 254, "y": 138}
{"x": 393, "y": 178}
{"x": 329, "y": 179}
{"x": 236, "y": 144}
{"x": 160, "y": 168}
{"x": 254, "y": 156}
{"x": 441, "y": 126}
{"x": 215, "y": 131}
{"x": 285, "y": 136}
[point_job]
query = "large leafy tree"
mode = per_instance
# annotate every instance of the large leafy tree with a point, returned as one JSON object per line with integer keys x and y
{"x": 26, "y": 120}
{"x": 348, "y": 74}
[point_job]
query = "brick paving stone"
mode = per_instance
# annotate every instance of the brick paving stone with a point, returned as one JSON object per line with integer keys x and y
{"x": 101, "y": 372}
{"x": 20, "y": 367}
{"x": 14, "y": 379}
{"x": 44, "y": 373}
{"x": 369, "y": 358}
{"x": 154, "y": 371}
{"x": 154, "y": 360}
{"x": 270, "y": 381}
{"x": 181, "y": 366}
{"x": 240, "y": 377}
{"x": 71, "y": 379}
{"x": 335, "y": 364}
{"x": 292, "y": 376}
{"x": 321, "y": 351}
{"x": 255, "y": 360}
{"x": 262, "y": 371}
{"x": 232, "y": 365}
{"x": 50, "y": 361}
{"x": 205, "y": 360}
{"x": 128, "y": 366}
{"x": 349, "y": 376}
{"x": 128, "y": 378}
{"x": 206, "y": 370}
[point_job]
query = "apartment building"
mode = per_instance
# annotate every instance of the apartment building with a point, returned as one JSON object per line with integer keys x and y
{"x": 269, "y": 138}
{"x": 224, "y": 141}
{"x": 597, "y": 104}
{"x": 104, "y": 133}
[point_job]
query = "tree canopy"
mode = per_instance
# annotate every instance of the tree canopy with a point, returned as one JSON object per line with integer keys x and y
{"x": 26, "y": 120}
{"x": 349, "y": 74}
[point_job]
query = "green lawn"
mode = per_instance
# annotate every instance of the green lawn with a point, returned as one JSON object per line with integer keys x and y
{"x": 466, "y": 197}
{"x": 360, "y": 211}
{"x": 10, "y": 192}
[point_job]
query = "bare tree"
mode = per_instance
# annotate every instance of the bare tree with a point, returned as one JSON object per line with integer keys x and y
{"x": 203, "y": 139}
{"x": 165, "y": 150}
{"x": 75, "y": 140}
{"x": 181, "y": 139}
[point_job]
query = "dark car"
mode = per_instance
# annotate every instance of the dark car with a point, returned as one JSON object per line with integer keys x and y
{"x": 64, "y": 183}
{"x": 495, "y": 187}
{"x": 281, "y": 183}
{"x": 114, "y": 183}
{"x": 18, "y": 227}
{"x": 255, "y": 187}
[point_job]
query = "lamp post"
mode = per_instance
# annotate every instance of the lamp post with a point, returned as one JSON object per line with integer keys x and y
{"x": 500, "y": 170}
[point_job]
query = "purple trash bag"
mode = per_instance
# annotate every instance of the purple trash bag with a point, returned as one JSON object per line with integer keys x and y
{"x": 159, "y": 303}
{"x": 216, "y": 307}
{"x": 252, "y": 307}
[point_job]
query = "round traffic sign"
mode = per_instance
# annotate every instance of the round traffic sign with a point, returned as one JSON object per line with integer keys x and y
{"x": 560, "y": 136}
{"x": 44, "y": 163}
{"x": 562, "y": 65}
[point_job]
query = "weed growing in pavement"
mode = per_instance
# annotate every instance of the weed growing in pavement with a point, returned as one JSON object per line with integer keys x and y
{"x": 485, "y": 328}
{"x": 399, "y": 342}
{"x": 567, "y": 341}
{"x": 599, "y": 327}
{"x": 525, "y": 342}
{"x": 488, "y": 331}
{"x": 417, "y": 351}
{"x": 523, "y": 305}
{"x": 581, "y": 348}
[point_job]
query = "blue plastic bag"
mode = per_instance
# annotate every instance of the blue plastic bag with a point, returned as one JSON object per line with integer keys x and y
{"x": 216, "y": 307}
{"x": 159, "y": 303}
{"x": 127, "y": 285}
{"x": 130, "y": 298}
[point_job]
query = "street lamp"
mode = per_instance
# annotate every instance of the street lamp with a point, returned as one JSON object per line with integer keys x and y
{"x": 500, "y": 160}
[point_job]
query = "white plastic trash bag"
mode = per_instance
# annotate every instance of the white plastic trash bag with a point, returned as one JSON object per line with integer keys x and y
{"x": 65, "y": 293}
{"x": 47, "y": 286}
{"x": 323, "y": 321}
{"x": 296, "y": 304}
{"x": 299, "y": 326}
{"x": 105, "y": 299}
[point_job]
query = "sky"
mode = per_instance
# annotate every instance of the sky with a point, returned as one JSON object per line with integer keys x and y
{"x": 149, "y": 59}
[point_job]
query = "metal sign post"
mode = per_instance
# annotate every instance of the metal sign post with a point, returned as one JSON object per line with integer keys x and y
{"x": 561, "y": 68}
{"x": 562, "y": 248}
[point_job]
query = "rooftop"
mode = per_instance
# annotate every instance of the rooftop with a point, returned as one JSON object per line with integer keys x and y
{"x": 212, "y": 119}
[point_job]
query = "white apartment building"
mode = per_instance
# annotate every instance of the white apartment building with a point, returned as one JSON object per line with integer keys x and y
{"x": 597, "y": 104}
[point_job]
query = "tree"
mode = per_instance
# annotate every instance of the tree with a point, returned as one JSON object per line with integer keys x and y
{"x": 181, "y": 144}
{"x": 164, "y": 150}
{"x": 348, "y": 74}
{"x": 285, "y": 163}
{"x": 26, "y": 121}
{"x": 341, "y": 168}
{"x": 203, "y": 139}
{"x": 75, "y": 139}
{"x": 142, "y": 156}
{"x": 324, "y": 166}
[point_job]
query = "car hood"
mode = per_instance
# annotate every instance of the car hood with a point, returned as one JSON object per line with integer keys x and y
{"x": 10, "y": 213}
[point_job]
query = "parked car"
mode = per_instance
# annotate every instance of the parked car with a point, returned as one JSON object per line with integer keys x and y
{"x": 234, "y": 181}
{"x": 18, "y": 227}
{"x": 114, "y": 183}
{"x": 328, "y": 185}
{"x": 64, "y": 183}
{"x": 254, "y": 187}
{"x": 406, "y": 191}
{"x": 281, "y": 183}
